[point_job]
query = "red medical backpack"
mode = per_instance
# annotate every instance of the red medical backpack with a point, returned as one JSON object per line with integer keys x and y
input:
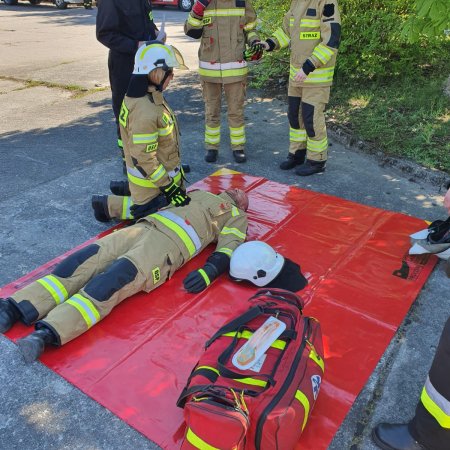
{"x": 231, "y": 409}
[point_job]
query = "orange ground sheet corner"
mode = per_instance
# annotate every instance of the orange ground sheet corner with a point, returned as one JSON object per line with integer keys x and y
{"x": 361, "y": 284}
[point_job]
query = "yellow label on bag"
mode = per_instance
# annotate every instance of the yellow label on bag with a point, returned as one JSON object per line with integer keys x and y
{"x": 310, "y": 35}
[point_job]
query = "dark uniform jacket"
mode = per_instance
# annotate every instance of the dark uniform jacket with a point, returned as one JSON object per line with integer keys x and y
{"x": 121, "y": 24}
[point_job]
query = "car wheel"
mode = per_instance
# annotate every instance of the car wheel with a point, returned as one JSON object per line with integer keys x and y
{"x": 35, "y": 2}
{"x": 185, "y": 5}
{"x": 11, "y": 2}
{"x": 60, "y": 4}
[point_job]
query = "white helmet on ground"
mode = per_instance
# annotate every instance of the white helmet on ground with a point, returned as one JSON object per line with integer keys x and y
{"x": 154, "y": 54}
{"x": 259, "y": 263}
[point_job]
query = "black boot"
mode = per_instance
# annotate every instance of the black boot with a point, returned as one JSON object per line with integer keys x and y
{"x": 310, "y": 168}
{"x": 100, "y": 206}
{"x": 121, "y": 188}
{"x": 33, "y": 345}
{"x": 9, "y": 315}
{"x": 394, "y": 437}
{"x": 211, "y": 155}
{"x": 293, "y": 159}
{"x": 239, "y": 156}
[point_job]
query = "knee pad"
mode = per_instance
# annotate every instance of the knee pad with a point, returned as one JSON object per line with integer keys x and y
{"x": 67, "y": 267}
{"x": 120, "y": 273}
{"x": 293, "y": 111}
{"x": 308, "y": 119}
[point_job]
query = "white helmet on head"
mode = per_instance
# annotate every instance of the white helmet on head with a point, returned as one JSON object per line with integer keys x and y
{"x": 257, "y": 262}
{"x": 154, "y": 54}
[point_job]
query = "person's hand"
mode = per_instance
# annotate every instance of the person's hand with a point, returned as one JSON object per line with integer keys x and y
{"x": 200, "y": 6}
{"x": 139, "y": 211}
{"x": 175, "y": 194}
{"x": 447, "y": 201}
{"x": 198, "y": 280}
{"x": 253, "y": 53}
{"x": 300, "y": 76}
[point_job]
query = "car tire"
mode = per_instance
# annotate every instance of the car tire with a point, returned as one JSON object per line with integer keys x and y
{"x": 60, "y": 4}
{"x": 35, "y": 2}
{"x": 11, "y": 2}
{"x": 185, "y": 5}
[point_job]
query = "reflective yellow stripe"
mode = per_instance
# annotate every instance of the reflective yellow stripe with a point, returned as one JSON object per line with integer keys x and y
{"x": 141, "y": 182}
{"x": 145, "y": 138}
{"x": 54, "y": 287}
{"x": 317, "y": 146}
{"x": 235, "y": 231}
{"x": 223, "y": 12}
{"x": 431, "y": 405}
{"x": 194, "y": 22}
{"x": 279, "y": 344}
{"x": 225, "y": 250}
{"x": 126, "y": 205}
{"x": 237, "y": 135}
{"x": 160, "y": 46}
{"x": 251, "y": 381}
{"x": 166, "y": 131}
{"x": 322, "y": 53}
{"x": 234, "y": 211}
{"x": 212, "y": 135}
{"x": 204, "y": 276}
{"x": 158, "y": 173}
{"x": 281, "y": 37}
{"x": 86, "y": 308}
{"x": 316, "y": 358}
{"x": 321, "y": 75}
{"x": 303, "y": 399}
{"x": 182, "y": 234}
{"x": 297, "y": 135}
{"x": 250, "y": 26}
{"x": 310, "y": 23}
{"x": 197, "y": 442}
{"x": 213, "y": 369}
{"x": 222, "y": 72}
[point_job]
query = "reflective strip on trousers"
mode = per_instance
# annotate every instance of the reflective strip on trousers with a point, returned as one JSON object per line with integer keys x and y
{"x": 235, "y": 231}
{"x": 212, "y": 135}
{"x": 303, "y": 399}
{"x": 317, "y": 146}
{"x": 297, "y": 135}
{"x": 54, "y": 287}
{"x": 436, "y": 404}
{"x": 322, "y": 53}
{"x": 126, "y": 205}
{"x": 225, "y": 250}
{"x": 282, "y": 38}
{"x": 184, "y": 231}
{"x": 137, "y": 178}
{"x": 197, "y": 442}
{"x": 86, "y": 308}
{"x": 237, "y": 135}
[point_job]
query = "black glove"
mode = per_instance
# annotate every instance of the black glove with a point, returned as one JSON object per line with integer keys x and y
{"x": 198, "y": 280}
{"x": 150, "y": 207}
{"x": 175, "y": 194}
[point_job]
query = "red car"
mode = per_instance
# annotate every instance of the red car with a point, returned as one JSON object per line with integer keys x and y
{"x": 184, "y": 5}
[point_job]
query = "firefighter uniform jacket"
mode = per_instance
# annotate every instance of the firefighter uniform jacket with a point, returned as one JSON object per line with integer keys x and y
{"x": 151, "y": 141}
{"x": 121, "y": 24}
{"x": 225, "y": 28}
{"x": 87, "y": 285}
{"x": 312, "y": 28}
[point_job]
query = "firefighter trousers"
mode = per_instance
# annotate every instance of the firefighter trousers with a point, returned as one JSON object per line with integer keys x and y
{"x": 307, "y": 129}
{"x": 235, "y": 98}
{"x": 88, "y": 284}
{"x": 431, "y": 424}
{"x": 120, "y": 66}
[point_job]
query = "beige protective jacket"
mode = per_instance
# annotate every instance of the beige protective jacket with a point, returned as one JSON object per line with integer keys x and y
{"x": 312, "y": 28}
{"x": 151, "y": 143}
{"x": 225, "y": 28}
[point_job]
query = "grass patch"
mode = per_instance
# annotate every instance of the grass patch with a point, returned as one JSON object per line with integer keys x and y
{"x": 407, "y": 118}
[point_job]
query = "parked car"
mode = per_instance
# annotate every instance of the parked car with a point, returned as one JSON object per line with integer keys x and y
{"x": 184, "y": 5}
{"x": 60, "y": 4}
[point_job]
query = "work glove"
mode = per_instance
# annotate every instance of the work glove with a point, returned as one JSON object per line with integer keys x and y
{"x": 268, "y": 45}
{"x": 198, "y": 280}
{"x": 175, "y": 194}
{"x": 199, "y": 7}
{"x": 254, "y": 52}
{"x": 139, "y": 211}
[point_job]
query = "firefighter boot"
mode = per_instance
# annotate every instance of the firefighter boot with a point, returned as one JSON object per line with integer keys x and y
{"x": 293, "y": 159}
{"x": 33, "y": 345}
{"x": 394, "y": 437}
{"x": 211, "y": 155}
{"x": 9, "y": 315}
{"x": 100, "y": 207}
{"x": 239, "y": 156}
{"x": 121, "y": 188}
{"x": 310, "y": 168}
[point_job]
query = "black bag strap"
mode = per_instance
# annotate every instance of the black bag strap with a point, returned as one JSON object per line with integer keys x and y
{"x": 235, "y": 324}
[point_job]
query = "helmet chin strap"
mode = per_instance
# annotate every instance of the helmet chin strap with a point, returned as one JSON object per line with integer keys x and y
{"x": 159, "y": 87}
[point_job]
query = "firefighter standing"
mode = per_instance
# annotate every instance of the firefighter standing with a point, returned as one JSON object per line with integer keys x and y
{"x": 312, "y": 28}
{"x": 121, "y": 25}
{"x": 150, "y": 138}
{"x": 224, "y": 28}
{"x": 430, "y": 427}
{"x": 87, "y": 285}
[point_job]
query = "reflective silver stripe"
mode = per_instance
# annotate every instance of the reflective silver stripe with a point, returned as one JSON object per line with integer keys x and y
{"x": 222, "y": 66}
{"x": 186, "y": 227}
{"x": 135, "y": 173}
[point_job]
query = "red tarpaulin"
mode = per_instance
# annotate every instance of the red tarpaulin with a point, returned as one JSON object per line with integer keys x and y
{"x": 361, "y": 285}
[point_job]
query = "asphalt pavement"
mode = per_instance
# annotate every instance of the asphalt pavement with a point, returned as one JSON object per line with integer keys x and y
{"x": 57, "y": 148}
